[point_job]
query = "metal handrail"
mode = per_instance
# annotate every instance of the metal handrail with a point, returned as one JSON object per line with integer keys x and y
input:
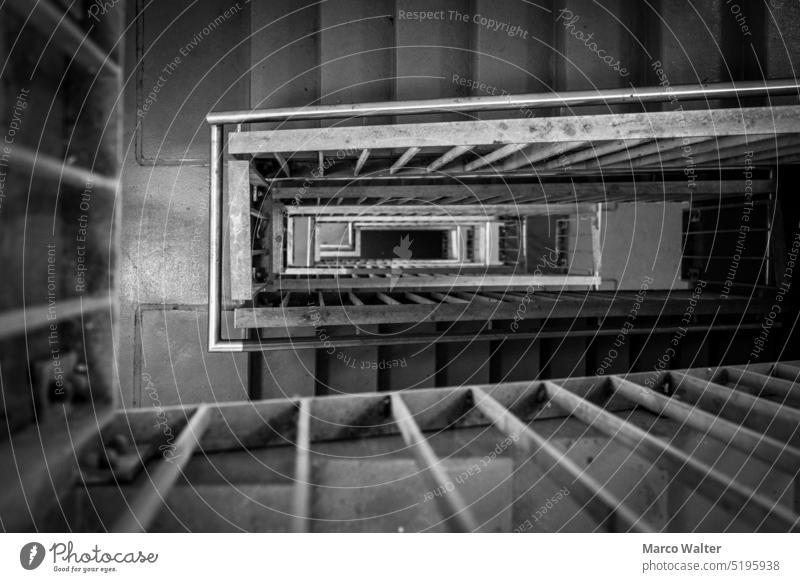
{"x": 740, "y": 89}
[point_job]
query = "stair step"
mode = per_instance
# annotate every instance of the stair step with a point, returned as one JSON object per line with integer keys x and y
{"x": 292, "y": 47}
{"x": 461, "y": 363}
{"x": 348, "y": 370}
{"x": 416, "y": 363}
{"x": 286, "y": 373}
{"x": 581, "y": 67}
{"x": 564, "y": 357}
{"x": 429, "y": 52}
{"x": 515, "y": 360}
{"x": 356, "y": 45}
{"x": 380, "y": 482}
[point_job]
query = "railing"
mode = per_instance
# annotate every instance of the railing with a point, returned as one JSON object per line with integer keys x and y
{"x": 79, "y": 161}
{"x": 90, "y": 59}
{"x": 518, "y": 143}
{"x": 757, "y": 420}
{"x": 47, "y": 424}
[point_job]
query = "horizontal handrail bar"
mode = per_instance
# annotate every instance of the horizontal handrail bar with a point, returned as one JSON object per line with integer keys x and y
{"x": 43, "y": 166}
{"x": 506, "y": 102}
{"x": 27, "y": 319}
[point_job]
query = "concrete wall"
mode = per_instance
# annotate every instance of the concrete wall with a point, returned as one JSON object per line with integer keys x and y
{"x": 188, "y": 62}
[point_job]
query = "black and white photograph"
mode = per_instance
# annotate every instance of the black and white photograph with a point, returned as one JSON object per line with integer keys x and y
{"x": 400, "y": 268}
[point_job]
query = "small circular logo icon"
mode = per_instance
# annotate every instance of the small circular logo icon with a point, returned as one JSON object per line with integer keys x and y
{"x": 31, "y": 555}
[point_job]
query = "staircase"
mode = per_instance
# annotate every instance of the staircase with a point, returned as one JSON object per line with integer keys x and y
{"x": 381, "y": 52}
